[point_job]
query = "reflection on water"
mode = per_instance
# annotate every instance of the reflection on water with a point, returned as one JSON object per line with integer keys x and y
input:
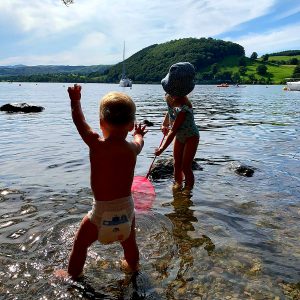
{"x": 182, "y": 219}
{"x": 236, "y": 238}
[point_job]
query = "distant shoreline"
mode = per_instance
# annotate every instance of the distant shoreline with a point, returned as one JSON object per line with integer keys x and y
{"x": 140, "y": 83}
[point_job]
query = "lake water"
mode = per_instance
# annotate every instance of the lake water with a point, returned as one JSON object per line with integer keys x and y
{"x": 236, "y": 238}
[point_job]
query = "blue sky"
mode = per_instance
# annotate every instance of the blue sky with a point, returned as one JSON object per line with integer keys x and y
{"x": 91, "y": 32}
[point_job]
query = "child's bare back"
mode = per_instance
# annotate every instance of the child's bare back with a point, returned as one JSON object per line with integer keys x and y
{"x": 112, "y": 168}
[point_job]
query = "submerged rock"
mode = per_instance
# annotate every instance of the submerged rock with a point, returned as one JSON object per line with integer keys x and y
{"x": 21, "y": 107}
{"x": 242, "y": 169}
{"x": 291, "y": 290}
{"x": 163, "y": 168}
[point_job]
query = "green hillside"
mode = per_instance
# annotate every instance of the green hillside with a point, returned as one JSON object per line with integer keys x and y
{"x": 21, "y": 70}
{"x": 215, "y": 61}
{"x": 275, "y": 74}
{"x": 152, "y": 63}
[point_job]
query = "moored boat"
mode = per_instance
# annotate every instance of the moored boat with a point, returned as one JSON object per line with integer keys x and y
{"x": 125, "y": 81}
{"x": 293, "y": 85}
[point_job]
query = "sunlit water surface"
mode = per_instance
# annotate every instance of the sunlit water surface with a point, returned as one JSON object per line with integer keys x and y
{"x": 236, "y": 238}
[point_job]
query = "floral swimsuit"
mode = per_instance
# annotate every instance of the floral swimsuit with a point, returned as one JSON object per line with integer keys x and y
{"x": 188, "y": 128}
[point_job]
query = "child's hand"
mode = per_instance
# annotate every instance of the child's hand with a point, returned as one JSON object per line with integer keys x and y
{"x": 139, "y": 129}
{"x": 158, "y": 151}
{"x": 74, "y": 92}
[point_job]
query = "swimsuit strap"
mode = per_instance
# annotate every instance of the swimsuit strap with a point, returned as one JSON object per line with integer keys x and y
{"x": 185, "y": 108}
{"x": 171, "y": 112}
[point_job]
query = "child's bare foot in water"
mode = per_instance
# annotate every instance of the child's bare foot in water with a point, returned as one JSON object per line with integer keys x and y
{"x": 128, "y": 269}
{"x": 63, "y": 274}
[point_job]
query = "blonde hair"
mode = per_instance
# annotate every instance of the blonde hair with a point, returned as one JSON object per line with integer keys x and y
{"x": 175, "y": 100}
{"x": 117, "y": 109}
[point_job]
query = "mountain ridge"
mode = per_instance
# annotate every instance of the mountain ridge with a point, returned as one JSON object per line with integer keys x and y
{"x": 24, "y": 70}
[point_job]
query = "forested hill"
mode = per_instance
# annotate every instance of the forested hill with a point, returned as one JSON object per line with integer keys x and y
{"x": 286, "y": 53}
{"x": 152, "y": 63}
{"x": 22, "y": 70}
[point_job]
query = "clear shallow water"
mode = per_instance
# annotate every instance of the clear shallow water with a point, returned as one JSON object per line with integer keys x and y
{"x": 237, "y": 237}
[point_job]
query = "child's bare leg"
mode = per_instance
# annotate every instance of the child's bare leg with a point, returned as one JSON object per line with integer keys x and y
{"x": 131, "y": 251}
{"x": 178, "y": 155}
{"x": 189, "y": 153}
{"x": 85, "y": 236}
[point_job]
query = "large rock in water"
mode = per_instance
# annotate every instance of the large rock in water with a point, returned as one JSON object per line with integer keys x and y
{"x": 241, "y": 169}
{"x": 163, "y": 168}
{"x": 21, "y": 107}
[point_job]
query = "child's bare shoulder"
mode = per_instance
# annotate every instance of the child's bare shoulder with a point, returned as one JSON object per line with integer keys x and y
{"x": 98, "y": 144}
{"x": 135, "y": 147}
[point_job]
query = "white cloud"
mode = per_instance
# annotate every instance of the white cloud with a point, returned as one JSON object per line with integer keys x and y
{"x": 38, "y": 18}
{"x": 284, "y": 38}
{"x": 210, "y": 18}
{"x": 289, "y": 12}
{"x": 95, "y": 29}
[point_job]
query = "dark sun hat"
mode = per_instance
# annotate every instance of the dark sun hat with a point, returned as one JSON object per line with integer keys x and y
{"x": 180, "y": 79}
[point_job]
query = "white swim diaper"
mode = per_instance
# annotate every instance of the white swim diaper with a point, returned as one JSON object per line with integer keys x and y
{"x": 113, "y": 219}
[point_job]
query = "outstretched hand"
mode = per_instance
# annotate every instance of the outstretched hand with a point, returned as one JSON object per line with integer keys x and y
{"x": 75, "y": 92}
{"x": 139, "y": 129}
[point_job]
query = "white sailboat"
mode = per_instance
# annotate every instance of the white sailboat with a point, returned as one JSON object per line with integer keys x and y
{"x": 124, "y": 81}
{"x": 293, "y": 85}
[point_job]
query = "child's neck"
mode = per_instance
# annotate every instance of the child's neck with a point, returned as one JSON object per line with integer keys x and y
{"x": 179, "y": 101}
{"x": 115, "y": 135}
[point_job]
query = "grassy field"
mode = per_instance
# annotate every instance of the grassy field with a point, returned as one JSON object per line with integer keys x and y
{"x": 280, "y": 72}
{"x": 276, "y": 73}
{"x": 283, "y": 58}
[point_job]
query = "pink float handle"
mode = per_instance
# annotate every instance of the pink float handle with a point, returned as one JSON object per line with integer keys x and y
{"x": 149, "y": 171}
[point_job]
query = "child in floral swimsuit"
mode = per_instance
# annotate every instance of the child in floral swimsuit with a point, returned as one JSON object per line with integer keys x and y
{"x": 188, "y": 128}
{"x": 179, "y": 123}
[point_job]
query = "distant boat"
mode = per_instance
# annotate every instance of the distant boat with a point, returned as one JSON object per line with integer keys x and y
{"x": 293, "y": 85}
{"x": 223, "y": 85}
{"x": 124, "y": 81}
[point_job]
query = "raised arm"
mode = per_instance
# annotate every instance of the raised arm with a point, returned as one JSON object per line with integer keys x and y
{"x": 85, "y": 131}
{"x": 177, "y": 123}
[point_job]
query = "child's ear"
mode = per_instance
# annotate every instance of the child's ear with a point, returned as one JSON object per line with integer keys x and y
{"x": 102, "y": 123}
{"x": 130, "y": 126}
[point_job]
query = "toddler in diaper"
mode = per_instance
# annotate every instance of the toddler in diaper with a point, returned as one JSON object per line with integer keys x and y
{"x": 112, "y": 160}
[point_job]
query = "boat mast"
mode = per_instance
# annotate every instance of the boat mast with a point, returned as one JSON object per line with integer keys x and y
{"x": 123, "y": 70}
